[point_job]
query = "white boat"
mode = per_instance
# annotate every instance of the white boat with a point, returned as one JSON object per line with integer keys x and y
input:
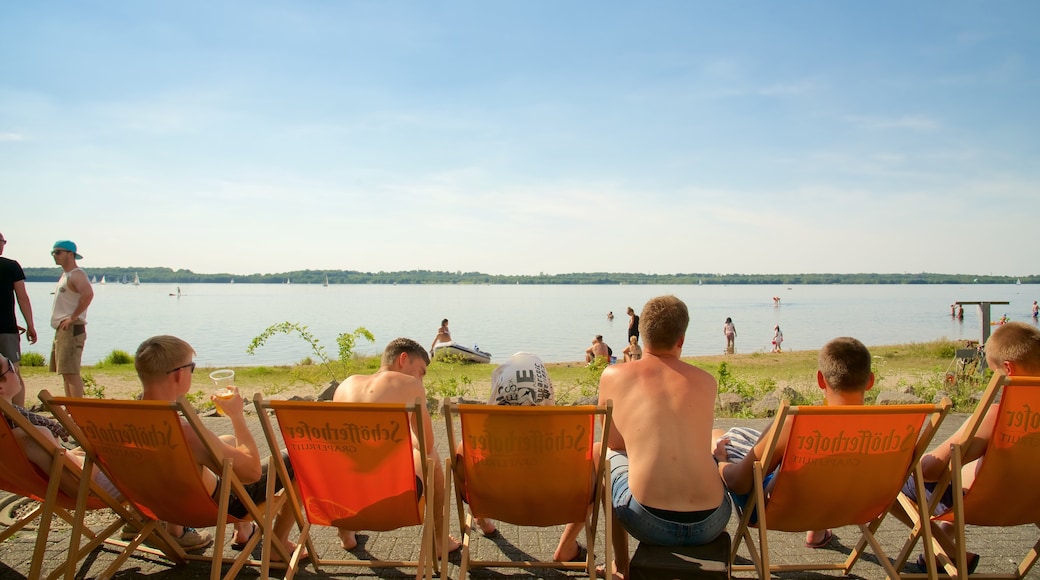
{"x": 102, "y": 279}
{"x": 137, "y": 280}
{"x": 326, "y": 284}
{"x": 457, "y": 350}
{"x": 93, "y": 279}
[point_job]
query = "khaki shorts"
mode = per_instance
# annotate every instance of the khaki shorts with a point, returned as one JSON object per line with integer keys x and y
{"x": 67, "y": 351}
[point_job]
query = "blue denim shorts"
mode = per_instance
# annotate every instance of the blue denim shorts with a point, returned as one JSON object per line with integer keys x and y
{"x": 648, "y": 527}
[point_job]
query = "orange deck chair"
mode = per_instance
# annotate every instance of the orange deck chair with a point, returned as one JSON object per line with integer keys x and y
{"x": 529, "y": 466}
{"x": 354, "y": 466}
{"x": 21, "y": 476}
{"x": 843, "y": 465}
{"x": 142, "y": 448}
{"x": 1005, "y": 491}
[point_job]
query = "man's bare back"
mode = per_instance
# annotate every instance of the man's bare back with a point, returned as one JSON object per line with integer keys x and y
{"x": 663, "y": 415}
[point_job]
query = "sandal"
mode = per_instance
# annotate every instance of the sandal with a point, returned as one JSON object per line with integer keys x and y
{"x": 239, "y": 546}
{"x": 973, "y": 563}
{"x": 827, "y": 537}
{"x": 582, "y": 555}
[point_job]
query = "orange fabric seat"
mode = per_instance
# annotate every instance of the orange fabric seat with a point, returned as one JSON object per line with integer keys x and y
{"x": 529, "y": 466}
{"x": 842, "y": 465}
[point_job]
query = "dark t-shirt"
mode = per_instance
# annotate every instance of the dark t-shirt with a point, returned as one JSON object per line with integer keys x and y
{"x": 10, "y": 272}
{"x": 633, "y": 326}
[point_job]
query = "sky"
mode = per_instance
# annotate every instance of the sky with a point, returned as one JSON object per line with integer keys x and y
{"x": 523, "y": 137}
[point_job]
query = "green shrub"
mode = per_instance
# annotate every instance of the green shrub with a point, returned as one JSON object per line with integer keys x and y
{"x": 91, "y": 388}
{"x": 32, "y": 359}
{"x": 115, "y": 358}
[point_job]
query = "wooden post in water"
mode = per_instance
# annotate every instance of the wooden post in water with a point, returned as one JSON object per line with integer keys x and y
{"x": 984, "y": 316}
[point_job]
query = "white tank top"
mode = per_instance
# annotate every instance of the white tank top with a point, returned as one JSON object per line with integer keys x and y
{"x": 65, "y": 301}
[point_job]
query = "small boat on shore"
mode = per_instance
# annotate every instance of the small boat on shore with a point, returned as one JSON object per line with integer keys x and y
{"x": 457, "y": 350}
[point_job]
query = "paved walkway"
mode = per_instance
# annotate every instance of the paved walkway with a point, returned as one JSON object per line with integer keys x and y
{"x": 1000, "y": 549}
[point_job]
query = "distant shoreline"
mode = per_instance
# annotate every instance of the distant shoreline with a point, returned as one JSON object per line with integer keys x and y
{"x": 117, "y": 275}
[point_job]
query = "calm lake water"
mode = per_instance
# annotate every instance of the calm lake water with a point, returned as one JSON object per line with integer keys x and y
{"x": 555, "y": 322}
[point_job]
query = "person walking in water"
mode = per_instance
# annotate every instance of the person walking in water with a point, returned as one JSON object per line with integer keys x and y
{"x": 731, "y": 335}
{"x": 1036, "y": 310}
{"x": 778, "y": 339}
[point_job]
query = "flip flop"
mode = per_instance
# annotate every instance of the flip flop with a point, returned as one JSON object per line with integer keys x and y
{"x": 973, "y": 563}
{"x": 827, "y": 537}
{"x": 239, "y": 546}
{"x": 582, "y": 555}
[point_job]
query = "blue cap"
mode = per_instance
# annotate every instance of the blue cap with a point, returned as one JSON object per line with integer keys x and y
{"x": 67, "y": 246}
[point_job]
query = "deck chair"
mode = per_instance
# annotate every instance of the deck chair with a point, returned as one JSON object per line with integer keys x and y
{"x": 1005, "y": 491}
{"x": 20, "y": 476}
{"x": 529, "y": 466}
{"x": 141, "y": 446}
{"x": 354, "y": 467}
{"x": 842, "y": 465}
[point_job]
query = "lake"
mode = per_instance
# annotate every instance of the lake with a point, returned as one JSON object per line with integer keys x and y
{"x": 555, "y": 322}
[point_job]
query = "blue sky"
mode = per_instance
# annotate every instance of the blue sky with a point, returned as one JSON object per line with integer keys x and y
{"x": 523, "y": 137}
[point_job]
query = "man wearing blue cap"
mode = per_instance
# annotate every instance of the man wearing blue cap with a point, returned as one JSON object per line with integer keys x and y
{"x": 72, "y": 296}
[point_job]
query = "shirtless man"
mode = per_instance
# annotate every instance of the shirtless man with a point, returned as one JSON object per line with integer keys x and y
{"x": 598, "y": 349}
{"x": 399, "y": 380}
{"x": 658, "y": 448}
{"x": 165, "y": 366}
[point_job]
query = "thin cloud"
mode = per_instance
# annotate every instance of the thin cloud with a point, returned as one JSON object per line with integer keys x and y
{"x": 911, "y": 122}
{"x": 12, "y": 137}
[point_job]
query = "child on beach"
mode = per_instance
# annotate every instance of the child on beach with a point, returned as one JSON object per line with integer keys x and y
{"x": 778, "y": 339}
{"x": 844, "y": 375}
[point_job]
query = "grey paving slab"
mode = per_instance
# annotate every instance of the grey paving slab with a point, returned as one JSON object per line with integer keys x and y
{"x": 1000, "y": 548}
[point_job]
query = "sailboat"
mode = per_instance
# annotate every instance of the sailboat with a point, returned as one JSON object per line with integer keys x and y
{"x": 137, "y": 280}
{"x": 102, "y": 279}
{"x": 326, "y": 284}
{"x": 93, "y": 279}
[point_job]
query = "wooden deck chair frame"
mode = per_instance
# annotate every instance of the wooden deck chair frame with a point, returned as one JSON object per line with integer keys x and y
{"x": 1004, "y": 492}
{"x": 20, "y": 476}
{"x": 794, "y": 505}
{"x": 470, "y": 489}
{"x": 191, "y": 506}
{"x": 306, "y": 427}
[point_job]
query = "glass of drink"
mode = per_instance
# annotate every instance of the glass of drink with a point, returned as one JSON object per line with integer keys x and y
{"x": 224, "y": 379}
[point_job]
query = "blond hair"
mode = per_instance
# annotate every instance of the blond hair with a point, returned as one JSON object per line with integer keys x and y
{"x": 1016, "y": 342}
{"x": 158, "y": 355}
{"x": 845, "y": 364}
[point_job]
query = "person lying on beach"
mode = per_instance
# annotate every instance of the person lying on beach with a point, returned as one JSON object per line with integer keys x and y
{"x": 844, "y": 375}
{"x": 399, "y": 380}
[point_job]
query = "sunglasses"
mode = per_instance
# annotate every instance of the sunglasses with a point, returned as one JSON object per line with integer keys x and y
{"x": 10, "y": 368}
{"x": 190, "y": 365}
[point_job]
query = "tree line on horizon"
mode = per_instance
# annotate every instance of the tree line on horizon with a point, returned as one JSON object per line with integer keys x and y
{"x": 115, "y": 275}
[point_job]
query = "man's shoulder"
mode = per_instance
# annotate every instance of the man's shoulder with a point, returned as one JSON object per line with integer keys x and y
{"x": 12, "y": 267}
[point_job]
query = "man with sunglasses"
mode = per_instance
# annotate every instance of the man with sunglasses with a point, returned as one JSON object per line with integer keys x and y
{"x": 12, "y": 288}
{"x": 72, "y": 296}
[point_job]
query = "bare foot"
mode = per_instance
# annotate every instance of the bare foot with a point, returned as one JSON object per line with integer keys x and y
{"x": 601, "y": 572}
{"x": 289, "y": 548}
{"x": 487, "y": 526}
{"x": 348, "y": 539}
{"x": 453, "y": 544}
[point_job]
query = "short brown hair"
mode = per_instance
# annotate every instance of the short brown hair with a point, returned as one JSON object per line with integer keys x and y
{"x": 845, "y": 364}
{"x": 403, "y": 345}
{"x": 158, "y": 354}
{"x": 1016, "y": 342}
{"x": 663, "y": 322}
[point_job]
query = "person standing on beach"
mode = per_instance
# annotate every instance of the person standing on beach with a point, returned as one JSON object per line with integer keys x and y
{"x": 72, "y": 296}
{"x": 778, "y": 339}
{"x": 12, "y": 288}
{"x": 443, "y": 335}
{"x": 730, "y": 331}
{"x": 633, "y": 324}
